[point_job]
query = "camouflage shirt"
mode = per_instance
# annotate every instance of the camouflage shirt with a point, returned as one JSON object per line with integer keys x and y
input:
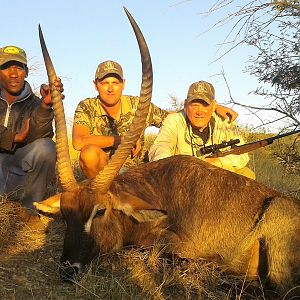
{"x": 91, "y": 114}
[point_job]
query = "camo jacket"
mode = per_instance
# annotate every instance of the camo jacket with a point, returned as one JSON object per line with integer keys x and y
{"x": 91, "y": 114}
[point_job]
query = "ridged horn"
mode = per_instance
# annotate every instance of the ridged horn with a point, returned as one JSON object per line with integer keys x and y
{"x": 65, "y": 171}
{"x": 104, "y": 179}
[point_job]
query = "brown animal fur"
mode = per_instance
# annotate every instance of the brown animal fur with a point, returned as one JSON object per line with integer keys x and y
{"x": 192, "y": 208}
{"x": 195, "y": 210}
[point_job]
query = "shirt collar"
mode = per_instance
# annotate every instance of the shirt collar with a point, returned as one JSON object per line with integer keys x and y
{"x": 27, "y": 91}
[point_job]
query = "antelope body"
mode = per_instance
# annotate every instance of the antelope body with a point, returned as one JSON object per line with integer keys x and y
{"x": 192, "y": 208}
{"x": 195, "y": 210}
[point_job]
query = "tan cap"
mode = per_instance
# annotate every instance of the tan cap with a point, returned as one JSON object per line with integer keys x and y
{"x": 10, "y": 53}
{"x": 201, "y": 90}
{"x": 108, "y": 67}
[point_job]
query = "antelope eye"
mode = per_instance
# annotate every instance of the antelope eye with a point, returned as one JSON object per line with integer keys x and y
{"x": 100, "y": 212}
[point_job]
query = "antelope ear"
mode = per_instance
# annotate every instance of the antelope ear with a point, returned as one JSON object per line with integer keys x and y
{"x": 137, "y": 208}
{"x": 50, "y": 205}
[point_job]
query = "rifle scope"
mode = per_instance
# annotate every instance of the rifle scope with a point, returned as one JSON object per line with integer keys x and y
{"x": 214, "y": 148}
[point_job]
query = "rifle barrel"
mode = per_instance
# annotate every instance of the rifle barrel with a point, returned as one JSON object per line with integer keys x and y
{"x": 278, "y": 136}
{"x": 241, "y": 149}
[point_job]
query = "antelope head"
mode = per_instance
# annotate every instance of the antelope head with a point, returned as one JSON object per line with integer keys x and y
{"x": 78, "y": 200}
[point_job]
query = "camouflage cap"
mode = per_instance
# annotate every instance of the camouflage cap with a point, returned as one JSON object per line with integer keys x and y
{"x": 9, "y": 53}
{"x": 108, "y": 67}
{"x": 201, "y": 90}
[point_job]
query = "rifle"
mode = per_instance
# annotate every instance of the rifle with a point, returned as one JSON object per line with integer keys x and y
{"x": 241, "y": 149}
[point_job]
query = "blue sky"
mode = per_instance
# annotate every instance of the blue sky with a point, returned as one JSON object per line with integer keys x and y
{"x": 81, "y": 34}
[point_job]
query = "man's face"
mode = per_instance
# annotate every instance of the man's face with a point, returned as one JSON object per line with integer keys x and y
{"x": 199, "y": 113}
{"x": 12, "y": 76}
{"x": 110, "y": 89}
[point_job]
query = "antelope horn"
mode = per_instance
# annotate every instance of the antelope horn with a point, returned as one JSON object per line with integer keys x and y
{"x": 65, "y": 171}
{"x": 105, "y": 177}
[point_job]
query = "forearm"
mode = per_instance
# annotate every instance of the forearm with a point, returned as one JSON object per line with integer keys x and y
{"x": 156, "y": 116}
{"x": 226, "y": 113}
{"x": 99, "y": 140}
{"x": 40, "y": 125}
{"x": 6, "y": 139}
{"x": 234, "y": 162}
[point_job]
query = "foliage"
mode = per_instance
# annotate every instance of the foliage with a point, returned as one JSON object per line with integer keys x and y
{"x": 270, "y": 166}
{"x": 272, "y": 27}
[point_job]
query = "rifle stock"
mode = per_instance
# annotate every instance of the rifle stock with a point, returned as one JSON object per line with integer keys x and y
{"x": 241, "y": 149}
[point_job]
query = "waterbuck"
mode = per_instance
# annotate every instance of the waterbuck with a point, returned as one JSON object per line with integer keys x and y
{"x": 191, "y": 207}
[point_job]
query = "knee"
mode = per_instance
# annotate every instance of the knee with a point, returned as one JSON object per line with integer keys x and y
{"x": 90, "y": 154}
{"x": 44, "y": 149}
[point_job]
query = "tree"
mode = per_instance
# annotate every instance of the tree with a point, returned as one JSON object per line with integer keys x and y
{"x": 272, "y": 27}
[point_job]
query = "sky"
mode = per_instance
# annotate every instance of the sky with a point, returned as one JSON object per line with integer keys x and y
{"x": 81, "y": 34}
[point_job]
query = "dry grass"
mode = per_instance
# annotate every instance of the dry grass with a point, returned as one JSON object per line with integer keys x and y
{"x": 30, "y": 254}
{"x": 29, "y": 269}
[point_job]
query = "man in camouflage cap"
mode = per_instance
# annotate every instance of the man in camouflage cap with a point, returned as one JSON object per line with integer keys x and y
{"x": 27, "y": 152}
{"x": 196, "y": 127}
{"x": 101, "y": 122}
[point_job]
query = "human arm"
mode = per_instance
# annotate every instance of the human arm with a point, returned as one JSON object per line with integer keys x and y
{"x": 46, "y": 101}
{"x": 9, "y": 139}
{"x": 21, "y": 136}
{"x": 136, "y": 149}
{"x": 229, "y": 162}
{"x": 40, "y": 125}
{"x": 81, "y": 137}
{"x": 226, "y": 113}
{"x": 156, "y": 116}
{"x": 166, "y": 140}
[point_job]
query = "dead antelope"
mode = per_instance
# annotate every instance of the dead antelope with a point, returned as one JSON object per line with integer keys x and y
{"x": 193, "y": 208}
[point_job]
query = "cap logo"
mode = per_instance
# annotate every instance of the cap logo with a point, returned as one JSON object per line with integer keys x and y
{"x": 109, "y": 66}
{"x": 200, "y": 89}
{"x": 11, "y": 50}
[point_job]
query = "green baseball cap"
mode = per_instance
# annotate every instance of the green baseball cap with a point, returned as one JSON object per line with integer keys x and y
{"x": 201, "y": 90}
{"x": 9, "y": 53}
{"x": 108, "y": 67}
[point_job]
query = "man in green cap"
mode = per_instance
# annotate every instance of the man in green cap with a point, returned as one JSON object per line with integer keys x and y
{"x": 101, "y": 122}
{"x": 27, "y": 152}
{"x": 196, "y": 127}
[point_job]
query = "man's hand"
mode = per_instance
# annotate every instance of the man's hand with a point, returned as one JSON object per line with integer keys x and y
{"x": 226, "y": 113}
{"x": 21, "y": 136}
{"x": 46, "y": 94}
{"x": 136, "y": 149}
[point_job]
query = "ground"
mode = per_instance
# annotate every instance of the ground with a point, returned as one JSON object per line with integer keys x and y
{"x": 29, "y": 269}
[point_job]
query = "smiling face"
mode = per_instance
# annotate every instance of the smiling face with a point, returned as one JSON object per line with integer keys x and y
{"x": 12, "y": 77}
{"x": 110, "y": 89}
{"x": 199, "y": 112}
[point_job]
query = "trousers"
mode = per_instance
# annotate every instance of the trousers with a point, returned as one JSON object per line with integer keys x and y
{"x": 25, "y": 173}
